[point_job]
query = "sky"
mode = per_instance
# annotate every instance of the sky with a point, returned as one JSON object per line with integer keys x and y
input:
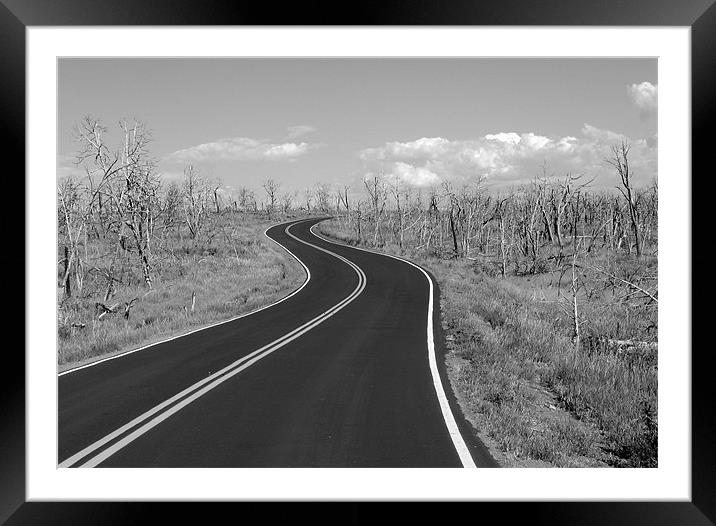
{"x": 420, "y": 121}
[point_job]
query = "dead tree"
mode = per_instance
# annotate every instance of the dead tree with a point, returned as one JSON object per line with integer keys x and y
{"x": 501, "y": 215}
{"x": 103, "y": 309}
{"x": 122, "y": 185}
{"x": 396, "y": 189}
{"x": 322, "y": 193}
{"x": 620, "y": 161}
{"x": 137, "y": 201}
{"x": 375, "y": 187}
{"x": 128, "y": 307}
{"x": 73, "y": 222}
{"x": 575, "y": 293}
{"x": 308, "y": 198}
{"x": 216, "y": 199}
{"x": 342, "y": 194}
{"x": 194, "y": 200}
{"x": 343, "y": 198}
{"x": 170, "y": 205}
{"x": 271, "y": 187}
{"x": 287, "y": 201}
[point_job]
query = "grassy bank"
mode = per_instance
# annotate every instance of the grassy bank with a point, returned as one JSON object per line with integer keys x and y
{"x": 229, "y": 270}
{"x": 534, "y": 398}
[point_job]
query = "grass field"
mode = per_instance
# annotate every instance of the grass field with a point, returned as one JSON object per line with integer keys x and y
{"x": 232, "y": 270}
{"x": 533, "y": 398}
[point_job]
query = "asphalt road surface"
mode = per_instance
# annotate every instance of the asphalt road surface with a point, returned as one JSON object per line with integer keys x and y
{"x": 347, "y": 371}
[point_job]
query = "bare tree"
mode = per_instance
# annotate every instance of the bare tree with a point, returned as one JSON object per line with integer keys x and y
{"x": 620, "y": 161}
{"x": 126, "y": 179}
{"x": 308, "y": 198}
{"x": 322, "y": 194}
{"x": 195, "y": 200}
{"x": 343, "y": 198}
{"x": 141, "y": 186}
{"x": 287, "y": 201}
{"x": 247, "y": 199}
{"x": 375, "y": 186}
{"x": 217, "y": 187}
{"x": 502, "y": 215}
{"x": 271, "y": 187}
{"x": 396, "y": 190}
{"x": 171, "y": 205}
{"x": 73, "y": 219}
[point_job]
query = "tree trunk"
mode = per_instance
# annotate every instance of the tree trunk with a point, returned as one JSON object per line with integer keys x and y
{"x": 146, "y": 269}
{"x": 454, "y": 235}
{"x": 68, "y": 287}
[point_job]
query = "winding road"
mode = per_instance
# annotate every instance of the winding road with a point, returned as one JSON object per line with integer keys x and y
{"x": 346, "y": 371}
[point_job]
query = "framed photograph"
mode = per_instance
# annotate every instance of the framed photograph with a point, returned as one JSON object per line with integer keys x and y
{"x": 410, "y": 255}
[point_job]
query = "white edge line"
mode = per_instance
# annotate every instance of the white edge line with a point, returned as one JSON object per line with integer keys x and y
{"x": 245, "y": 314}
{"x": 218, "y": 377}
{"x": 457, "y": 439}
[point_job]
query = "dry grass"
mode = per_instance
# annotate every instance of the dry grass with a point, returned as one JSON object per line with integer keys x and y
{"x": 232, "y": 270}
{"x": 515, "y": 368}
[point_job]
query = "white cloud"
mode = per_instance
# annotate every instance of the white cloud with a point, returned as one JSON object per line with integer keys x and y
{"x": 241, "y": 149}
{"x": 509, "y": 138}
{"x": 597, "y": 135}
{"x": 414, "y": 176}
{"x": 424, "y": 148}
{"x": 285, "y": 151}
{"x": 645, "y": 98}
{"x": 508, "y": 157}
{"x": 535, "y": 142}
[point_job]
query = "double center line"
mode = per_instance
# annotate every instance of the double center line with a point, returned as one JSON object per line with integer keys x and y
{"x": 107, "y": 446}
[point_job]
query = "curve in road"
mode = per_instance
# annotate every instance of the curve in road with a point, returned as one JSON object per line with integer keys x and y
{"x": 350, "y": 387}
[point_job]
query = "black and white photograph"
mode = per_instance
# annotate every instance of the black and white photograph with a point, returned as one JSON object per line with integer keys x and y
{"x": 357, "y": 262}
{"x": 418, "y": 257}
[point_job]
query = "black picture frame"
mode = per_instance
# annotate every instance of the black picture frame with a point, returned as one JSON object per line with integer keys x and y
{"x": 700, "y": 15}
